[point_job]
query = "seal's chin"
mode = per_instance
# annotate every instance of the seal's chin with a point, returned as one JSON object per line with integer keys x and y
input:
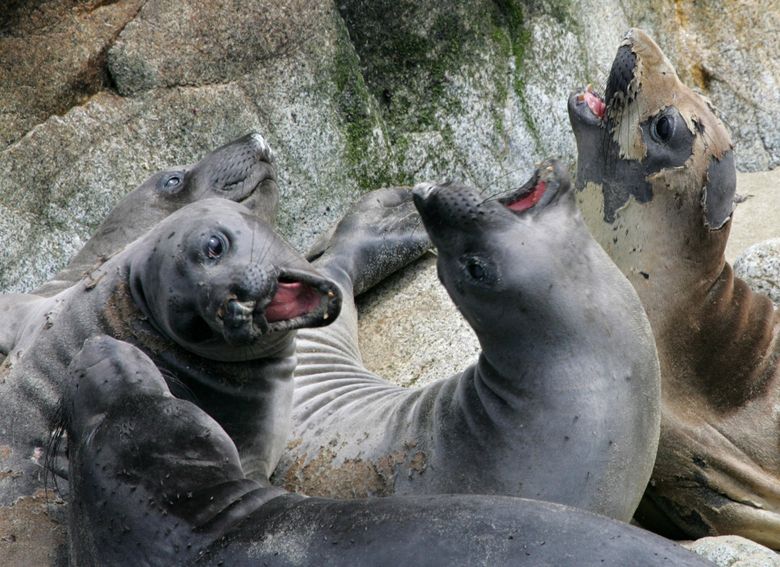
{"x": 297, "y": 300}
{"x": 548, "y": 181}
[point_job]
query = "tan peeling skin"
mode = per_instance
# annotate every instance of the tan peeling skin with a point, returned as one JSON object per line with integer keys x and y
{"x": 353, "y": 478}
{"x": 33, "y": 531}
{"x": 718, "y": 466}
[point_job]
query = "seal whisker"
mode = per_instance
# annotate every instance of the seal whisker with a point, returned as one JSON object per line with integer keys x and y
{"x": 51, "y": 468}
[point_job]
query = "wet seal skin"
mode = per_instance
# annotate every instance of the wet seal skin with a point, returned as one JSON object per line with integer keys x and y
{"x": 211, "y": 294}
{"x": 182, "y": 498}
{"x": 242, "y": 171}
{"x": 563, "y": 403}
{"x": 656, "y": 184}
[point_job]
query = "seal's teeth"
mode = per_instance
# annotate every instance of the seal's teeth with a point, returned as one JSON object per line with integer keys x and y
{"x": 262, "y": 324}
{"x": 331, "y": 293}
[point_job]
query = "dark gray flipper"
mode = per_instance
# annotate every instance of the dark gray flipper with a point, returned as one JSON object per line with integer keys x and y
{"x": 380, "y": 234}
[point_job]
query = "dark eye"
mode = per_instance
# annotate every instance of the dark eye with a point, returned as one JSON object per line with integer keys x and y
{"x": 664, "y": 128}
{"x": 475, "y": 269}
{"x": 215, "y": 247}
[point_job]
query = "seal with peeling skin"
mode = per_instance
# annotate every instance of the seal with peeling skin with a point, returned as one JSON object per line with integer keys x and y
{"x": 657, "y": 183}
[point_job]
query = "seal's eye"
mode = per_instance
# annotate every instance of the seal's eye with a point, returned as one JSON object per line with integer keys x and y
{"x": 172, "y": 181}
{"x": 215, "y": 247}
{"x": 663, "y": 128}
{"x": 475, "y": 269}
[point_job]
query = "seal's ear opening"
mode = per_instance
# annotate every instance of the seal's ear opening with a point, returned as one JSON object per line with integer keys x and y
{"x": 717, "y": 198}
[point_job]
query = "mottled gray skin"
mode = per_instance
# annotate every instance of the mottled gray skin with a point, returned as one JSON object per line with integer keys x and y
{"x": 562, "y": 405}
{"x": 182, "y": 498}
{"x": 241, "y": 171}
{"x": 656, "y": 183}
{"x": 211, "y": 294}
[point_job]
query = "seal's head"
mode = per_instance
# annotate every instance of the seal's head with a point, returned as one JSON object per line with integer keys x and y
{"x": 517, "y": 255}
{"x": 128, "y": 440}
{"x": 221, "y": 283}
{"x": 655, "y": 167}
{"x": 242, "y": 171}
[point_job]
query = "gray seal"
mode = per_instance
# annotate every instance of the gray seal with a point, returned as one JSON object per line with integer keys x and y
{"x": 563, "y": 403}
{"x": 656, "y": 184}
{"x": 211, "y": 294}
{"x": 180, "y": 498}
{"x": 242, "y": 171}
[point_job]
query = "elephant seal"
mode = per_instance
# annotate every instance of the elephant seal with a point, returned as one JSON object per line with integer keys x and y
{"x": 656, "y": 184}
{"x": 211, "y": 294}
{"x": 181, "y": 498}
{"x": 241, "y": 171}
{"x": 563, "y": 403}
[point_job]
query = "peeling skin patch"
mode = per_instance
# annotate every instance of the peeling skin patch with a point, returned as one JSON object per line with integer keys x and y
{"x": 9, "y": 474}
{"x": 34, "y": 531}
{"x": 354, "y": 478}
{"x": 5, "y": 451}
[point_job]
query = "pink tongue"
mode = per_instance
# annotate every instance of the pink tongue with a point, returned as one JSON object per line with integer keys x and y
{"x": 595, "y": 104}
{"x": 291, "y": 300}
{"x": 529, "y": 200}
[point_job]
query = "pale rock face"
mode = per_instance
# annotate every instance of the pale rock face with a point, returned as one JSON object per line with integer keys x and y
{"x": 352, "y": 96}
{"x": 759, "y": 266}
{"x": 734, "y": 551}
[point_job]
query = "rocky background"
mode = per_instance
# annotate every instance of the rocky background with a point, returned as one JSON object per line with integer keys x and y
{"x": 95, "y": 95}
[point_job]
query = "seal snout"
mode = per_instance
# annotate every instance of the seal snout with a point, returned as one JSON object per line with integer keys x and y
{"x": 621, "y": 74}
{"x": 448, "y": 204}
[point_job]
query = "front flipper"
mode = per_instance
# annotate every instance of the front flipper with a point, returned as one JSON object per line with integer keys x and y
{"x": 379, "y": 235}
{"x": 14, "y": 313}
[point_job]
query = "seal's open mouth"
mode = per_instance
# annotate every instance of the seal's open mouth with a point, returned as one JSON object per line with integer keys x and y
{"x": 588, "y": 105}
{"x": 594, "y": 102}
{"x": 542, "y": 188}
{"x": 293, "y": 299}
{"x": 297, "y": 300}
